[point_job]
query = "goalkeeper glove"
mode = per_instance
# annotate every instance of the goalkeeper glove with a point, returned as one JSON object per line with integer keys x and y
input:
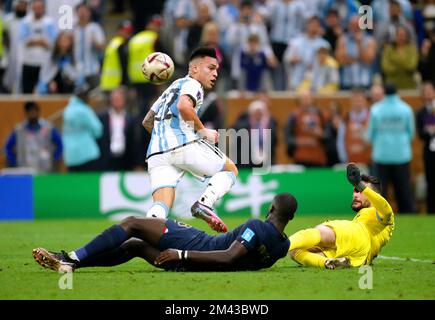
{"x": 354, "y": 177}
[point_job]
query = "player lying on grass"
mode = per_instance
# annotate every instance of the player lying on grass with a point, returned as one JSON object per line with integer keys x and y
{"x": 343, "y": 243}
{"x": 174, "y": 245}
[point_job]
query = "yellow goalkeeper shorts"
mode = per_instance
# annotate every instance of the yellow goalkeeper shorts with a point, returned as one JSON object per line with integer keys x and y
{"x": 352, "y": 241}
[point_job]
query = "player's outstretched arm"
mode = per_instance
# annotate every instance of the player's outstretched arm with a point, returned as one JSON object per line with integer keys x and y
{"x": 378, "y": 201}
{"x": 228, "y": 256}
{"x": 148, "y": 121}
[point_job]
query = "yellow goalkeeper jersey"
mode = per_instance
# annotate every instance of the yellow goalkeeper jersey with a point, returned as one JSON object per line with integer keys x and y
{"x": 378, "y": 220}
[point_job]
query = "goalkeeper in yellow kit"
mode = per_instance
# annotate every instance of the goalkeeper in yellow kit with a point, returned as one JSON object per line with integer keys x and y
{"x": 343, "y": 243}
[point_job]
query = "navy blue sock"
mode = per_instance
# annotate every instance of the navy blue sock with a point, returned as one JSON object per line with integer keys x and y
{"x": 107, "y": 240}
{"x": 108, "y": 258}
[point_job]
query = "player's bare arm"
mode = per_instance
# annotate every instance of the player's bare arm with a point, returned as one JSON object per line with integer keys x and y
{"x": 148, "y": 121}
{"x": 186, "y": 107}
{"x": 222, "y": 257}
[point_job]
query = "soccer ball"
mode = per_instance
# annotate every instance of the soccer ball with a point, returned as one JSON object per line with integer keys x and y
{"x": 158, "y": 68}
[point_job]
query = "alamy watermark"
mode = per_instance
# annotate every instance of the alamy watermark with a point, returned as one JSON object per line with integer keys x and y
{"x": 65, "y": 281}
{"x": 66, "y": 18}
{"x": 366, "y": 17}
{"x": 366, "y": 280}
{"x": 252, "y": 148}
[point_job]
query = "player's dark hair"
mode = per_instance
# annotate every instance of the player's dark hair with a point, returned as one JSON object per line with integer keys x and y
{"x": 204, "y": 51}
{"x": 30, "y": 105}
{"x": 285, "y": 206}
{"x": 374, "y": 181}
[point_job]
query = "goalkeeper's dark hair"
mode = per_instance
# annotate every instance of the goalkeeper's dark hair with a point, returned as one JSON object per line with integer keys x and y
{"x": 285, "y": 206}
{"x": 374, "y": 181}
{"x": 204, "y": 51}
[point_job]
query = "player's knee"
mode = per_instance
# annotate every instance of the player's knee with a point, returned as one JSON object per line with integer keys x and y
{"x": 128, "y": 224}
{"x": 158, "y": 210}
{"x": 327, "y": 235}
{"x": 235, "y": 170}
{"x": 134, "y": 246}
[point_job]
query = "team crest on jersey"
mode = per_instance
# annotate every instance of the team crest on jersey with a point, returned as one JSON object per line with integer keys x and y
{"x": 248, "y": 234}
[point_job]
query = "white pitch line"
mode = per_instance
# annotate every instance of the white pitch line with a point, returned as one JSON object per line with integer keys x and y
{"x": 405, "y": 259}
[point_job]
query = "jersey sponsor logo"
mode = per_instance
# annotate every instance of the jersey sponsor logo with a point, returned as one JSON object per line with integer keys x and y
{"x": 248, "y": 234}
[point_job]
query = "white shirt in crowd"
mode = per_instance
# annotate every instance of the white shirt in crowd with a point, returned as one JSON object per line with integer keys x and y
{"x": 117, "y": 133}
{"x": 32, "y": 29}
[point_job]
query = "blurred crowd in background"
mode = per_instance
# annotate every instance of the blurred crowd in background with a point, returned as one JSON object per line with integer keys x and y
{"x": 320, "y": 45}
{"x": 304, "y": 47}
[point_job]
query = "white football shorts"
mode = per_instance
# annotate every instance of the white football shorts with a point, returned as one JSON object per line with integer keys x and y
{"x": 200, "y": 158}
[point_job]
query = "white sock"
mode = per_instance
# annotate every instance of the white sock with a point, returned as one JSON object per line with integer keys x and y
{"x": 158, "y": 210}
{"x": 217, "y": 187}
{"x": 73, "y": 255}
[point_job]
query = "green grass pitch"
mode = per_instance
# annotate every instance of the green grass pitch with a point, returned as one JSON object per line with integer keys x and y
{"x": 22, "y": 278}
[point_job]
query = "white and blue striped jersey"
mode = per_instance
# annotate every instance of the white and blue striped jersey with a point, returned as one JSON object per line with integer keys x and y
{"x": 170, "y": 130}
